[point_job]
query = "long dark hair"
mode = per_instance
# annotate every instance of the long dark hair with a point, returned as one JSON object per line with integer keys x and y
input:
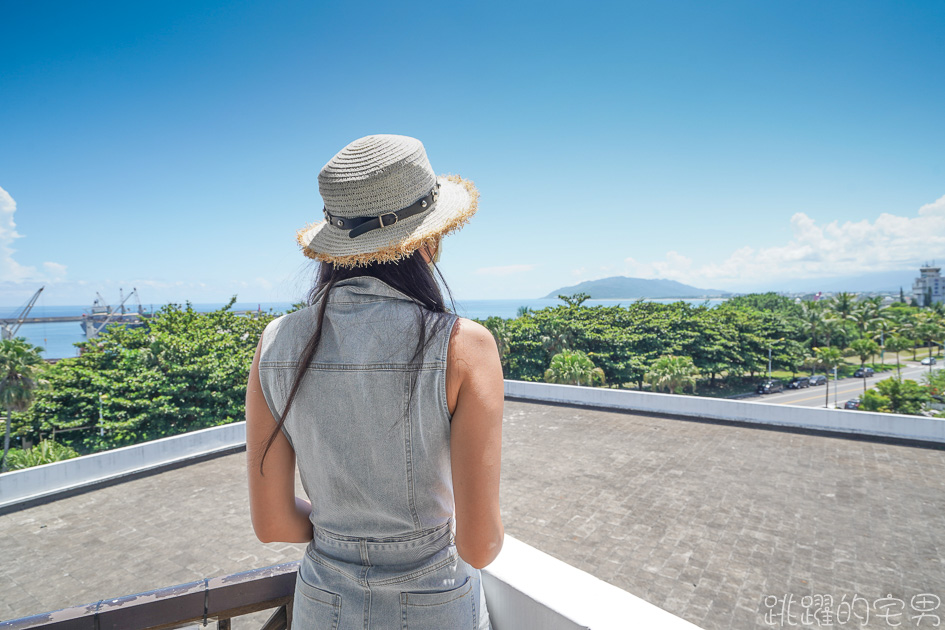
{"x": 412, "y": 276}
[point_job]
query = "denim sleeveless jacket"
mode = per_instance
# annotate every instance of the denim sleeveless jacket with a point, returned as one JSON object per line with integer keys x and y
{"x": 372, "y": 449}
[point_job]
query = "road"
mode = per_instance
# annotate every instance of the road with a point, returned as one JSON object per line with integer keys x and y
{"x": 840, "y": 391}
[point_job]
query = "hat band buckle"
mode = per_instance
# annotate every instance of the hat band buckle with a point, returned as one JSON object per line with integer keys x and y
{"x": 356, "y": 226}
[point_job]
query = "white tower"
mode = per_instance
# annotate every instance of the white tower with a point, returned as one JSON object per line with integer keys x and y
{"x": 929, "y": 287}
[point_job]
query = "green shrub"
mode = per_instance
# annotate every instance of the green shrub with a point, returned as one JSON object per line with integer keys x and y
{"x": 181, "y": 371}
{"x": 46, "y": 452}
{"x": 893, "y": 395}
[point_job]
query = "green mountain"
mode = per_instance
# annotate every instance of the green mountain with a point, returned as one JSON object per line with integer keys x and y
{"x": 621, "y": 287}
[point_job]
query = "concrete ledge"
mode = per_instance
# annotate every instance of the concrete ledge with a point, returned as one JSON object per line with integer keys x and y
{"x": 527, "y": 589}
{"x": 22, "y": 487}
{"x": 918, "y": 428}
{"x": 42, "y": 482}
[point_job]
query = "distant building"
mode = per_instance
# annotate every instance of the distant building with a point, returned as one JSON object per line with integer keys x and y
{"x": 929, "y": 288}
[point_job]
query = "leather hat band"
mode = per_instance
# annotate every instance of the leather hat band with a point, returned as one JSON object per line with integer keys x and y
{"x": 356, "y": 226}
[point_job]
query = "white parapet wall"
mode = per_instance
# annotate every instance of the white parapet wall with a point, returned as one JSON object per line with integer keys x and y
{"x": 843, "y": 421}
{"x": 20, "y": 486}
{"x": 527, "y": 589}
{"x": 23, "y": 486}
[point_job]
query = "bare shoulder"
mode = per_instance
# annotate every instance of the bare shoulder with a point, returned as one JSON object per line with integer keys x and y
{"x": 471, "y": 343}
{"x": 473, "y": 361}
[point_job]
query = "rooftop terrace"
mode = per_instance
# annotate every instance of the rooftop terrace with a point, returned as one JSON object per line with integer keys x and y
{"x": 709, "y": 521}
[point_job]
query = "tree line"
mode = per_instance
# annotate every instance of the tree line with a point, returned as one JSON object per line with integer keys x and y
{"x": 672, "y": 347}
{"x": 181, "y": 371}
{"x": 185, "y": 370}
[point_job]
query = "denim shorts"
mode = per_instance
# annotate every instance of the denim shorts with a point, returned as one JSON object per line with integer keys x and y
{"x": 411, "y": 582}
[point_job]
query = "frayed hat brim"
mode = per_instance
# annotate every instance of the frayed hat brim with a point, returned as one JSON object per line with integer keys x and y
{"x": 458, "y": 200}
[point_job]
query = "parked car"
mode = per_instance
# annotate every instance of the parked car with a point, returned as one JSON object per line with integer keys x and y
{"x": 928, "y": 361}
{"x": 818, "y": 379}
{"x": 770, "y": 387}
{"x": 853, "y": 403}
{"x": 864, "y": 372}
{"x": 799, "y": 382}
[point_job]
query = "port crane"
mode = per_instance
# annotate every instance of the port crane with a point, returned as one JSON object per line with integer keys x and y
{"x": 9, "y": 330}
{"x": 102, "y": 314}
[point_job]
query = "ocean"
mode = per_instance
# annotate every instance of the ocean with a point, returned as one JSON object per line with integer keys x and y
{"x": 58, "y": 339}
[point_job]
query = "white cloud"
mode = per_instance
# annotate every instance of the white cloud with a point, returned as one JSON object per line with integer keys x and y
{"x": 890, "y": 243}
{"x": 582, "y": 274}
{"x": 675, "y": 267}
{"x": 507, "y": 270}
{"x": 936, "y": 207}
{"x": 10, "y": 269}
{"x": 154, "y": 284}
{"x": 54, "y": 270}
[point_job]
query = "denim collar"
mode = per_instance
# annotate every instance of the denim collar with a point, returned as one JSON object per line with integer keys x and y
{"x": 364, "y": 289}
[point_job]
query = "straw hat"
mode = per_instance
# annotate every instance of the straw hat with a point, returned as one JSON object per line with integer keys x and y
{"x": 383, "y": 202}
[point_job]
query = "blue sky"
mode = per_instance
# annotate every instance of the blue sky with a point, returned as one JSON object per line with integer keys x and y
{"x": 175, "y": 146}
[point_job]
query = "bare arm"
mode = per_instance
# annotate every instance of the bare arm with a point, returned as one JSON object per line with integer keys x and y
{"x": 277, "y": 514}
{"x": 475, "y": 397}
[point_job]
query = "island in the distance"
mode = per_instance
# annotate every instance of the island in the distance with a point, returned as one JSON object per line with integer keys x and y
{"x": 624, "y": 288}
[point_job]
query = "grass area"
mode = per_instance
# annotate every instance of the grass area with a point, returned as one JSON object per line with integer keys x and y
{"x": 906, "y": 355}
{"x": 843, "y": 371}
{"x": 746, "y": 385}
{"x": 721, "y": 389}
{"x": 724, "y": 387}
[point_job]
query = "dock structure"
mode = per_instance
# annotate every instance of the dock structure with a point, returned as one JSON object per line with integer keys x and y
{"x": 79, "y": 318}
{"x": 41, "y": 320}
{"x": 94, "y": 321}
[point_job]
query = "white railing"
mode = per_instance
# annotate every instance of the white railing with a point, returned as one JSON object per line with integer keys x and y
{"x": 39, "y": 482}
{"x": 527, "y": 589}
{"x": 839, "y": 420}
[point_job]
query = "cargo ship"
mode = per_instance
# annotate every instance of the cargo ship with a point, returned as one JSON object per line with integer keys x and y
{"x": 102, "y": 315}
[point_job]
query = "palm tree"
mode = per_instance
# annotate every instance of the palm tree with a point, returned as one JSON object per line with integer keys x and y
{"x": 573, "y": 367}
{"x": 830, "y": 358}
{"x": 673, "y": 374}
{"x": 842, "y": 306}
{"x": 559, "y": 337}
{"x": 18, "y": 379}
{"x": 812, "y": 314}
{"x": 503, "y": 337}
{"x": 832, "y": 327}
{"x": 906, "y": 327}
{"x": 897, "y": 343}
{"x": 882, "y": 328}
{"x": 863, "y": 349}
{"x": 877, "y": 302}
{"x": 812, "y": 362}
{"x": 928, "y": 329}
{"x": 865, "y": 315}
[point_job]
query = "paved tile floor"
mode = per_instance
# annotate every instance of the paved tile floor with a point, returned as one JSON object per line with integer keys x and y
{"x": 721, "y": 525}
